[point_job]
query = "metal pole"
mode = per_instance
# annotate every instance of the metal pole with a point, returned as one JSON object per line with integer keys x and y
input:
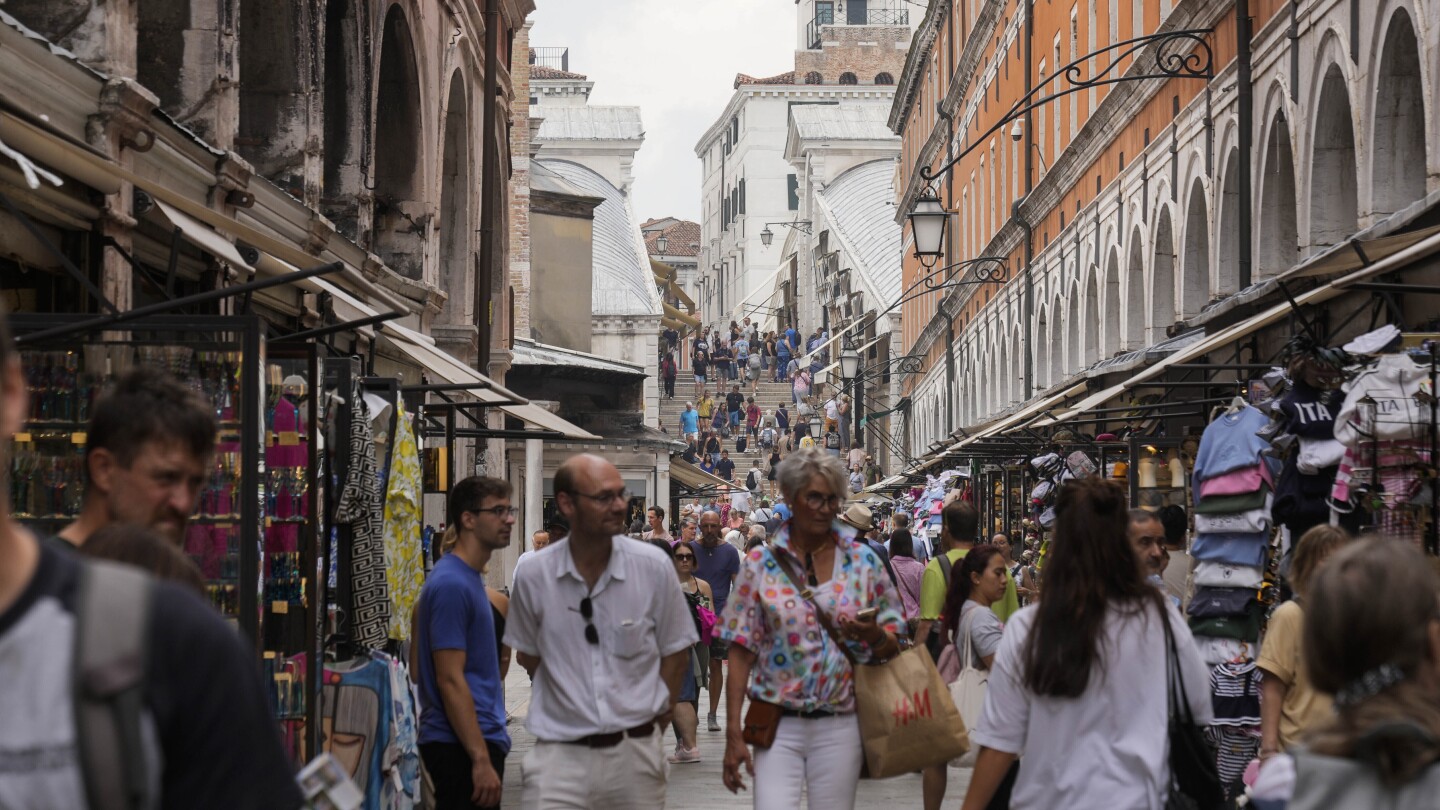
{"x": 1245, "y": 100}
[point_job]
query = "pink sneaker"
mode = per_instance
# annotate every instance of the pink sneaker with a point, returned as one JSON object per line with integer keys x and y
{"x": 683, "y": 756}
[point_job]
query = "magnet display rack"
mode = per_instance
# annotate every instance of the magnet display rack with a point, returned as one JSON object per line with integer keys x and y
{"x": 212, "y": 354}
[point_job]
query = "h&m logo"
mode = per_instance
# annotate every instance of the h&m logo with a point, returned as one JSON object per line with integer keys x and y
{"x": 912, "y": 707}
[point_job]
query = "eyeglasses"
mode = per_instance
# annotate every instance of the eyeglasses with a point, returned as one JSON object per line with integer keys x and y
{"x": 501, "y": 512}
{"x": 815, "y": 500}
{"x": 606, "y": 497}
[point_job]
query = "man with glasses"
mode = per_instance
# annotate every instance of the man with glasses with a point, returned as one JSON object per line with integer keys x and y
{"x": 462, "y": 721}
{"x": 716, "y": 562}
{"x": 601, "y": 624}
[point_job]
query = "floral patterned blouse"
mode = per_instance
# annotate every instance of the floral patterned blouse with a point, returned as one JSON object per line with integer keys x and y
{"x": 797, "y": 664}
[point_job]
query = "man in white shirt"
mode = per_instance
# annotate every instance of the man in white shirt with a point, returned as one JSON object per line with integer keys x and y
{"x": 538, "y": 540}
{"x": 602, "y": 626}
{"x": 832, "y": 414}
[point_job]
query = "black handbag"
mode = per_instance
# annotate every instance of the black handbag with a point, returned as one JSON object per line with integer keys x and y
{"x": 1194, "y": 775}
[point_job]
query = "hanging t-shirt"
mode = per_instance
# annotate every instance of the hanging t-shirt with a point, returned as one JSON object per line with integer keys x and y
{"x": 1310, "y": 411}
{"x": 1251, "y": 520}
{"x": 1230, "y": 442}
{"x": 360, "y": 506}
{"x": 367, "y": 734}
{"x": 404, "y": 561}
{"x": 1234, "y": 549}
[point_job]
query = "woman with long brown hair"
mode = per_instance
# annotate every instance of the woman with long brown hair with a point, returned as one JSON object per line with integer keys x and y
{"x": 1079, "y": 689}
{"x": 1382, "y": 664}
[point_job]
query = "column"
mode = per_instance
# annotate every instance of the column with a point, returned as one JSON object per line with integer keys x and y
{"x": 534, "y": 489}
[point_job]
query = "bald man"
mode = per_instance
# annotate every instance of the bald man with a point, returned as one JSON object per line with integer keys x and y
{"x": 538, "y": 540}
{"x": 602, "y": 626}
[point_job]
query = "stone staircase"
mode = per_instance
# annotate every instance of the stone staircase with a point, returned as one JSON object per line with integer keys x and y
{"x": 768, "y": 396}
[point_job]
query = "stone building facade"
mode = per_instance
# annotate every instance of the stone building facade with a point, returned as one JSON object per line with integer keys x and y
{"x": 369, "y": 114}
{"x": 1117, "y": 207}
{"x": 746, "y": 180}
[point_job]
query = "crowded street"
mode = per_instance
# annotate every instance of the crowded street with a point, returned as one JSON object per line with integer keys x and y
{"x": 632, "y": 404}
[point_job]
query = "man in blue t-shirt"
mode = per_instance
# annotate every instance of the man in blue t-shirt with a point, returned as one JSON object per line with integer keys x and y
{"x": 716, "y": 562}
{"x": 690, "y": 422}
{"x": 462, "y": 709}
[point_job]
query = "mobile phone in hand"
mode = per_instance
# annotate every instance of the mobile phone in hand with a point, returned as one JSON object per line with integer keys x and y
{"x": 867, "y": 614}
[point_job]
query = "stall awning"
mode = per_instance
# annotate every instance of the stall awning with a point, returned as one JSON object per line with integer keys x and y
{"x": 1017, "y": 419}
{"x": 892, "y": 482}
{"x": 204, "y": 237}
{"x": 428, "y": 356}
{"x": 1395, "y": 261}
{"x": 695, "y": 479}
{"x": 1357, "y": 253}
{"x": 739, "y": 311}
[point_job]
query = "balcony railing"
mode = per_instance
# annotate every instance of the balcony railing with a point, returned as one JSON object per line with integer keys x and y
{"x": 872, "y": 16}
{"x": 557, "y": 58}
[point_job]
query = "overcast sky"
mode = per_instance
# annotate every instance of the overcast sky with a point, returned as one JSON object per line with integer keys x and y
{"x": 676, "y": 60}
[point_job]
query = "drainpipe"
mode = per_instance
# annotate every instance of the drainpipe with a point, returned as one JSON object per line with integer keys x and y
{"x": 951, "y": 251}
{"x": 1030, "y": 147}
{"x": 490, "y": 206}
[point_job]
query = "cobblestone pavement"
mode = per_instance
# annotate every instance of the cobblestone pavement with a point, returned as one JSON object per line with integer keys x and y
{"x": 698, "y": 787}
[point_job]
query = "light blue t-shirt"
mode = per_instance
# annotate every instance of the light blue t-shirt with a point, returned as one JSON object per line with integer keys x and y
{"x": 454, "y": 614}
{"x": 1235, "y": 548}
{"x": 690, "y": 421}
{"x": 1229, "y": 443}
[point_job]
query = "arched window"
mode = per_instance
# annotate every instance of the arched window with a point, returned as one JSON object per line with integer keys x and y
{"x": 814, "y": 77}
{"x": 884, "y": 78}
{"x": 848, "y": 78}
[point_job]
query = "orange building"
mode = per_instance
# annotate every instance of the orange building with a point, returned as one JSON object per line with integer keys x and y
{"x": 1116, "y": 207}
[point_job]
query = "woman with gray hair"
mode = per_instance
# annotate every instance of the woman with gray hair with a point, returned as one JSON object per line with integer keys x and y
{"x": 810, "y": 574}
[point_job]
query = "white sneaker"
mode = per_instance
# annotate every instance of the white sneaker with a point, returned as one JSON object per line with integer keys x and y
{"x": 714, "y": 724}
{"x": 683, "y": 756}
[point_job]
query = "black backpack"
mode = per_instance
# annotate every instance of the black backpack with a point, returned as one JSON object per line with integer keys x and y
{"x": 752, "y": 480}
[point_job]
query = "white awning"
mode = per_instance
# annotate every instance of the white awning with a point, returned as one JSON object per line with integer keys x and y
{"x": 769, "y": 283}
{"x": 204, "y": 237}
{"x": 860, "y": 350}
{"x": 442, "y": 364}
{"x": 1428, "y": 246}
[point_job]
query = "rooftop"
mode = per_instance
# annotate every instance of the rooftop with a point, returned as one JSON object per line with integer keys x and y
{"x": 622, "y": 283}
{"x": 847, "y": 122}
{"x": 682, "y": 238}
{"x": 859, "y": 203}
{"x": 591, "y": 123}
{"x": 542, "y": 72}
{"x": 788, "y": 77}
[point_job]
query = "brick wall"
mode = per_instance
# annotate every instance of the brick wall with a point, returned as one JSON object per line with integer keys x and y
{"x": 520, "y": 183}
{"x": 863, "y": 50}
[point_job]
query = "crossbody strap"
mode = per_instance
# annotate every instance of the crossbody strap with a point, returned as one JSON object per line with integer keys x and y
{"x": 1180, "y": 708}
{"x": 967, "y": 624}
{"x": 809, "y": 597}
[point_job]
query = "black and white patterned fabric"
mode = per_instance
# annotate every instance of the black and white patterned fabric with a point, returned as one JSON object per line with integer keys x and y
{"x": 360, "y": 506}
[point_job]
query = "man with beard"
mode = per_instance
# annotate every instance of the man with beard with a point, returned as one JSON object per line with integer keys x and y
{"x": 602, "y": 626}
{"x": 147, "y": 456}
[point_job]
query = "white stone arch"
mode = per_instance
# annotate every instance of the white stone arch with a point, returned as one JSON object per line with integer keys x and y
{"x": 457, "y": 181}
{"x": 1089, "y": 314}
{"x": 1018, "y": 350}
{"x": 1056, "y": 347}
{"x": 1111, "y": 296}
{"x": 1195, "y": 261}
{"x": 1276, "y": 233}
{"x": 1161, "y": 275}
{"x": 1225, "y": 277}
{"x": 1399, "y": 125}
{"x": 1074, "y": 350}
{"x": 1133, "y": 290}
{"x": 1333, "y": 165}
{"x": 399, "y": 162}
{"x": 1043, "y": 331}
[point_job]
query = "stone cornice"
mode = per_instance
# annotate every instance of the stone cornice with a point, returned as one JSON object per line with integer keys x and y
{"x": 965, "y": 71}
{"x": 746, "y": 91}
{"x": 909, "y": 84}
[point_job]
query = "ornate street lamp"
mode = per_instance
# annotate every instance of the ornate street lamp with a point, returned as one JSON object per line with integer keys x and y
{"x": 767, "y": 236}
{"x": 927, "y": 225}
{"x": 661, "y": 243}
{"x": 849, "y": 362}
